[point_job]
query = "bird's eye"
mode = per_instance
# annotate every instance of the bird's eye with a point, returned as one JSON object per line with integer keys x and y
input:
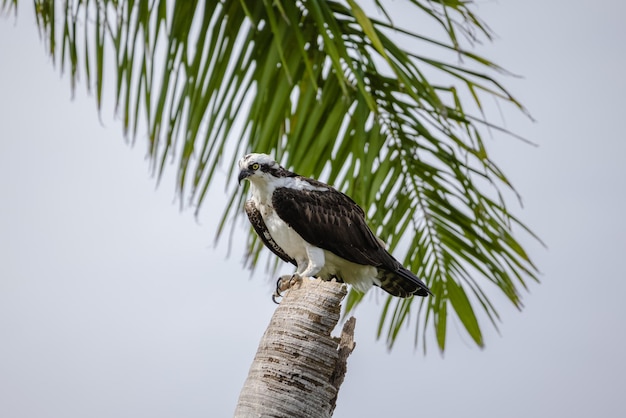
{"x": 254, "y": 166}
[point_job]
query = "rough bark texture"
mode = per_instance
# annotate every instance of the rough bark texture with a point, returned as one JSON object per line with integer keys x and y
{"x": 299, "y": 367}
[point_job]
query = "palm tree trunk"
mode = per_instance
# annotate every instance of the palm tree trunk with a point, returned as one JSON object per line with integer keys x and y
{"x": 299, "y": 367}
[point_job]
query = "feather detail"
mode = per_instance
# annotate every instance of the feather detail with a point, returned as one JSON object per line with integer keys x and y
{"x": 322, "y": 231}
{"x": 254, "y": 215}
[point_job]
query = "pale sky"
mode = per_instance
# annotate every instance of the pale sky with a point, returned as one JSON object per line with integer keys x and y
{"x": 113, "y": 303}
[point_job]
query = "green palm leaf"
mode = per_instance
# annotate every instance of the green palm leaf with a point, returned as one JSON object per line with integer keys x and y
{"x": 210, "y": 81}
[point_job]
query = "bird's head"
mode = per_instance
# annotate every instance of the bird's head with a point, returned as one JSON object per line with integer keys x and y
{"x": 259, "y": 168}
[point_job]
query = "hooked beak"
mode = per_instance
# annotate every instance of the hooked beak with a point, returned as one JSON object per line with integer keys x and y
{"x": 244, "y": 174}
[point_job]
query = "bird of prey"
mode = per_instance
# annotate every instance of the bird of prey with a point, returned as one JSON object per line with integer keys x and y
{"x": 320, "y": 230}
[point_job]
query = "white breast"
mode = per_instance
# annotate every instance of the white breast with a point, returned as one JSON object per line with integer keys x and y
{"x": 284, "y": 235}
{"x": 360, "y": 276}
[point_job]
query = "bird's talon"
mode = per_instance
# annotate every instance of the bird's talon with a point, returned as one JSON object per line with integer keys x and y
{"x": 283, "y": 283}
{"x": 295, "y": 279}
{"x": 279, "y": 286}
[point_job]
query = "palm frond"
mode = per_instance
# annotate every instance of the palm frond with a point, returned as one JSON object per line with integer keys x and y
{"x": 8, "y": 5}
{"x": 209, "y": 81}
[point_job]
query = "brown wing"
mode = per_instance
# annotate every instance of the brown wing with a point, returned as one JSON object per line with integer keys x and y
{"x": 331, "y": 220}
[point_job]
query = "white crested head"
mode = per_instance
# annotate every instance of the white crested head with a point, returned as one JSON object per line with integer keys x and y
{"x": 261, "y": 159}
{"x": 265, "y": 175}
{"x": 261, "y": 169}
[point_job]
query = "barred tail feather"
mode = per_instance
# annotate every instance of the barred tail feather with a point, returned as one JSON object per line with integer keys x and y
{"x": 402, "y": 283}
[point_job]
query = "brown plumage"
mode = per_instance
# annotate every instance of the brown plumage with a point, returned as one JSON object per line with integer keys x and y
{"x": 320, "y": 230}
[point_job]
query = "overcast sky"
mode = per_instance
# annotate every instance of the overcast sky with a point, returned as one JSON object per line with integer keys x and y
{"x": 113, "y": 303}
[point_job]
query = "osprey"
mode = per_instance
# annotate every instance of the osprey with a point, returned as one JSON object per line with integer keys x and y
{"x": 320, "y": 230}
